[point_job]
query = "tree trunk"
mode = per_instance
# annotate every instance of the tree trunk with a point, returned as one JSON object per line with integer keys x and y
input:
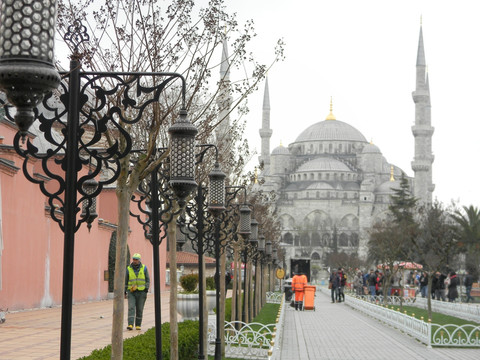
{"x": 123, "y": 197}
{"x": 429, "y": 296}
{"x": 172, "y": 242}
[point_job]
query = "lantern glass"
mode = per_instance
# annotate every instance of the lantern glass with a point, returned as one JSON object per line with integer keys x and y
{"x": 245, "y": 222}
{"x": 268, "y": 248}
{"x": 254, "y": 229}
{"x": 182, "y": 157}
{"x": 27, "y": 72}
{"x": 217, "y": 190}
{"x": 89, "y": 204}
{"x": 274, "y": 254}
{"x": 261, "y": 243}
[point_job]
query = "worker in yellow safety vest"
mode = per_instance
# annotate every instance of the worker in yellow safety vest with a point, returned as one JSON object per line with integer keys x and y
{"x": 299, "y": 282}
{"x": 137, "y": 282}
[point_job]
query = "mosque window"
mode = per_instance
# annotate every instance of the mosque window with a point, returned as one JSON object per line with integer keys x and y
{"x": 339, "y": 148}
{"x": 342, "y": 176}
{"x": 343, "y": 239}
{"x": 345, "y": 195}
{"x": 318, "y": 194}
{"x": 308, "y": 195}
{"x": 326, "y": 239}
{"x": 312, "y": 176}
{"x": 330, "y": 148}
{"x": 354, "y": 239}
{"x": 305, "y": 176}
{"x": 319, "y": 176}
{"x": 315, "y": 256}
{"x": 320, "y": 148}
{"x": 348, "y": 176}
{"x": 327, "y": 176}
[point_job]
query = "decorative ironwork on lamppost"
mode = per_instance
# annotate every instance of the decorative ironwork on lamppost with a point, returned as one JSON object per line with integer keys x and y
{"x": 74, "y": 122}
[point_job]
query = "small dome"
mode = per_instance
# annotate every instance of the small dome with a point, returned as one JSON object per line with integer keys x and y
{"x": 281, "y": 150}
{"x": 387, "y": 186}
{"x": 320, "y": 186}
{"x": 331, "y": 130}
{"x": 371, "y": 149}
{"x": 351, "y": 186}
{"x": 323, "y": 164}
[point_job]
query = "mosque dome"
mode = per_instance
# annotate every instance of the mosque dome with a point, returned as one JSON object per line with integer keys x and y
{"x": 387, "y": 186}
{"x": 371, "y": 149}
{"x": 331, "y": 130}
{"x": 281, "y": 150}
{"x": 323, "y": 164}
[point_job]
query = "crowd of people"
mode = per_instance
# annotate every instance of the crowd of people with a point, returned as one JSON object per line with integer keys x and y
{"x": 443, "y": 287}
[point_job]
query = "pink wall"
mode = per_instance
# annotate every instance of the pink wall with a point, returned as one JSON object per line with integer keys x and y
{"x": 32, "y": 257}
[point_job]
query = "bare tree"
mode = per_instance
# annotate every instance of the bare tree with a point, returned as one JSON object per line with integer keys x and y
{"x": 153, "y": 36}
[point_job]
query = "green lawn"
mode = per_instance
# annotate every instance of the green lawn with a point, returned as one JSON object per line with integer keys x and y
{"x": 437, "y": 318}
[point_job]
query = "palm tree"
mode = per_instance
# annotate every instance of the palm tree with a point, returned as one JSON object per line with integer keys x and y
{"x": 469, "y": 235}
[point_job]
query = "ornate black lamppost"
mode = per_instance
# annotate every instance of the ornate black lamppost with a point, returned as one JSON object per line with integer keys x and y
{"x": 268, "y": 257}
{"x": 155, "y": 202}
{"x": 28, "y": 77}
{"x": 249, "y": 247}
{"x": 258, "y": 258}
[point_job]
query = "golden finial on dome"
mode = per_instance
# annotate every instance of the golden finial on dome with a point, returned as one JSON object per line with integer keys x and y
{"x": 391, "y": 174}
{"x": 281, "y": 145}
{"x": 331, "y": 116}
{"x": 371, "y": 141}
{"x": 256, "y": 176}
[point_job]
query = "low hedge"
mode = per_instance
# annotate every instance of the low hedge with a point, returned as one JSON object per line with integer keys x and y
{"x": 143, "y": 346}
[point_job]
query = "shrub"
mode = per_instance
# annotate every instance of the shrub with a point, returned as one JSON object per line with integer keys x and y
{"x": 189, "y": 282}
{"x": 210, "y": 283}
{"x": 143, "y": 346}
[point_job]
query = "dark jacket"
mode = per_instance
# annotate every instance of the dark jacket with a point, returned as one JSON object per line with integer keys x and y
{"x": 468, "y": 280}
{"x": 452, "y": 287}
{"x": 372, "y": 279}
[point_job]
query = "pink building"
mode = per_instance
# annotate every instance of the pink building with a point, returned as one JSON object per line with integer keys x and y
{"x": 31, "y": 243}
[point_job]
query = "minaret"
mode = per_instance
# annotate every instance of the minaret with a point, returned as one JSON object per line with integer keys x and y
{"x": 422, "y": 131}
{"x": 265, "y": 131}
{"x": 224, "y": 99}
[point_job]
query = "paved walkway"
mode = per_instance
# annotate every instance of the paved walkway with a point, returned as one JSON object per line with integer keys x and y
{"x": 336, "y": 331}
{"x": 333, "y": 331}
{"x": 35, "y": 334}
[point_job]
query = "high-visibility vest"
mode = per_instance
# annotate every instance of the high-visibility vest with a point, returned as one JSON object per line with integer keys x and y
{"x": 134, "y": 279}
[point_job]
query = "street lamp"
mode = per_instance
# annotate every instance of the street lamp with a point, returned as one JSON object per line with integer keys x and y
{"x": 261, "y": 255}
{"x": 28, "y": 77}
{"x": 217, "y": 206}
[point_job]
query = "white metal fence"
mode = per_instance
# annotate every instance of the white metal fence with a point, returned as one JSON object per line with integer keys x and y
{"x": 274, "y": 297}
{"x": 252, "y": 340}
{"x": 460, "y": 310}
{"x": 429, "y": 333}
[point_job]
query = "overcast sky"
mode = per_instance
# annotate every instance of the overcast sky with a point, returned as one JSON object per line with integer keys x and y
{"x": 363, "y": 54}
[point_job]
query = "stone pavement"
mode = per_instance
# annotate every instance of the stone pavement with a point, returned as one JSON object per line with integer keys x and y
{"x": 35, "y": 334}
{"x": 336, "y": 331}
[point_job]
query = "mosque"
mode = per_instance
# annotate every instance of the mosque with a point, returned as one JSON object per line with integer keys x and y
{"x": 332, "y": 185}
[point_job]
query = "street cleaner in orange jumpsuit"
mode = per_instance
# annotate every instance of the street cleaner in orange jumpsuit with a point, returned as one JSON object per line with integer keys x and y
{"x": 298, "y": 286}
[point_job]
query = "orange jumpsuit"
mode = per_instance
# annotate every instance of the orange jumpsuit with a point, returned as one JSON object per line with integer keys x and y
{"x": 298, "y": 285}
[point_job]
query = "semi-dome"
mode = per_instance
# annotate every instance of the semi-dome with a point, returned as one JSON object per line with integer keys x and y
{"x": 331, "y": 130}
{"x": 321, "y": 185}
{"x": 323, "y": 164}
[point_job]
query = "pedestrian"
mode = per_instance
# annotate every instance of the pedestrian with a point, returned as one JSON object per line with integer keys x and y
{"x": 372, "y": 282}
{"x": 468, "y": 282}
{"x": 299, "y": 282}
{"x": 333, "y": 284}
{"x": 439, "y": 281}
{"x": 343, "y": 281}
{"x": 358, "y": 283}
{"x": 137, "y": 282}
{"x": 452, "y": 287}
{"x": 424, "y": 284}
